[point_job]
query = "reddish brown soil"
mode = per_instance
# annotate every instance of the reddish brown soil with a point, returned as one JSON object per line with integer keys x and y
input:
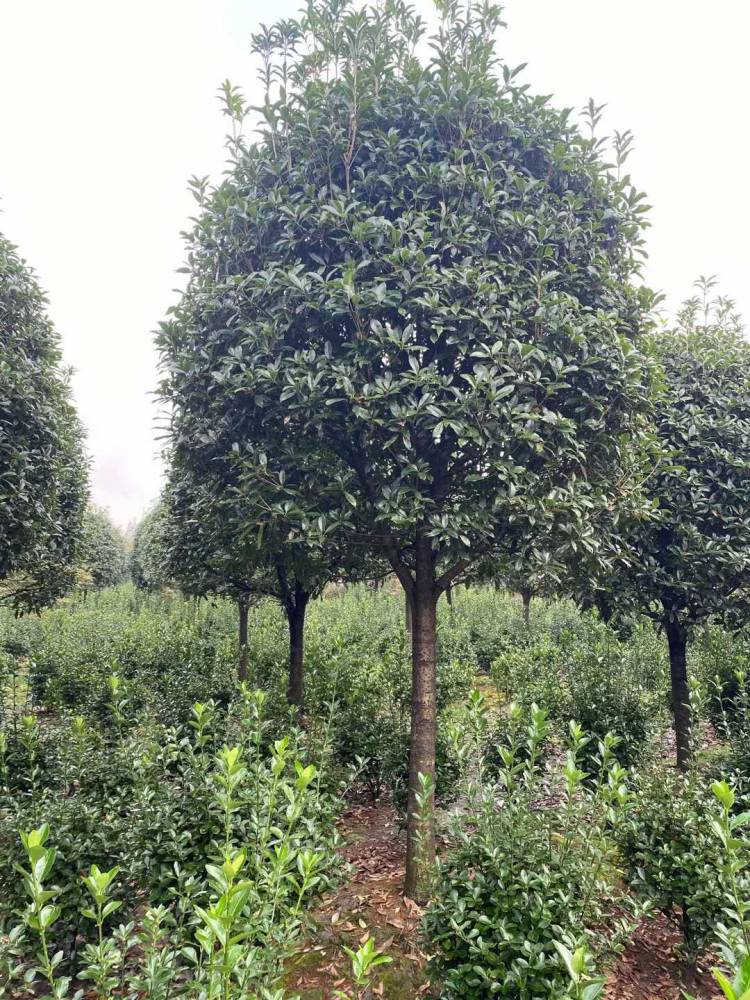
{"x": 651, "y": 967}
{"x": 369, "y": 903}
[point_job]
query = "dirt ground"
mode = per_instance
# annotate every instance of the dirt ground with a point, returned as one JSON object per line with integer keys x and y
{"x": 369, "y": 902}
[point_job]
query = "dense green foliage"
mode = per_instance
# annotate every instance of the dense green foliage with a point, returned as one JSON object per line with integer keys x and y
{"x": 532, "y": 866}
{"x": 147, "y": 564}
{"x": 167, "y": 806}
{"x": 102, "y": 556}
{"x": 43, "y": 471}
{"x": 689, "y": 561}
{"x": 577, "y": 668}
{"x": 413, "y": 359}
{"x": 671, "y": 852}
{"x": 692, "y": 556}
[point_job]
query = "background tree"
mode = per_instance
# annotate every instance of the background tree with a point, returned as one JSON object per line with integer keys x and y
{"x": 102, "y": 556}
{"x": 43, "y": 469}
{"x": 409, "y": 316}
{"x": 212, "y": 545}
{"x": 691, "y": 559}
{"x": 148, "y": 554}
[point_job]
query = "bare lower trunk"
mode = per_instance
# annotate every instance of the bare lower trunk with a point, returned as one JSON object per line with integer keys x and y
{"x": 420, "y": 831}
{"x": 296, "y": 619}
{"x": 677, "y": 640}
{"x": 604, "y": 607}
{"x": 526, "y": 598}
{"x": 243, "y": 650}
{"x": 407, "y": 614}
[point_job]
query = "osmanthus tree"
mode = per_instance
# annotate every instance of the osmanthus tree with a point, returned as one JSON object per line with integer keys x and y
{"x": 526, "y": 581}
{"x": 148, "y": 553}
{"x": 43, "y": 468}
{"x": 212, "y": 544}
{"x": 410, "y": 317}
{"x": 691, "y": 560}
{"x": 102, "y": 556}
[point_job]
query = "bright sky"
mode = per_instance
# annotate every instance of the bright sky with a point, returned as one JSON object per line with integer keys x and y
{"x": 107, "y": 108}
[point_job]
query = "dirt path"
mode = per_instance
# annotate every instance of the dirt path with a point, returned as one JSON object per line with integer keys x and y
{"x": 650, "y": 967}
{"x": 368, "y": 903}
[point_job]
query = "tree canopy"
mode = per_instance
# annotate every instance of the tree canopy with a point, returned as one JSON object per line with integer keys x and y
{"x": 43, "y": 469}
{"x": 103, "y": 556}
{"x": 148, "y": 553}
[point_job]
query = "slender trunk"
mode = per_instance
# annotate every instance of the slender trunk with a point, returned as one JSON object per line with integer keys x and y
{"x": 407, "y": 614}
{"x": 449, "y": 596}
{"x": 296, "y": 618}
{"x": 677, "y": 641}
{"x": 605, "y": 608}
{"x": 420, "y": 826}
{"x": 526, "y": 598}
{"x": 242, "y": 605}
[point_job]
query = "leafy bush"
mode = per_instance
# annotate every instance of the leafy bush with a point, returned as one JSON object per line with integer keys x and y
{"x": 608, "y": 684}
{"x": 524, "y": 873}
{"x": 734, "y": 936}
{"x": 670, "y": 852}
{"x": 159, "y": 803}
{"x": 174, "y": 651}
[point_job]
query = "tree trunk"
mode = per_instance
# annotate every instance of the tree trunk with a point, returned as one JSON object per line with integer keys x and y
{"x": 604, "y": 606}
{"x": 296, "y": 618}
{"x": 243, "y": 650}
{"x": 526, "y": 598}
{"x": 407, "y": 614}
{"x": 420, "y": 826}
{"x": 677, "y": 641}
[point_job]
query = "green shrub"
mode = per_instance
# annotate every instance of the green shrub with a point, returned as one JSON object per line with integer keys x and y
{"x": 251, "y": 897}
{"x": 523, "y": 874}
{"x": 146, "y": 800}
{"x": 670, "y": 852}
{"x": 608, "y": 684}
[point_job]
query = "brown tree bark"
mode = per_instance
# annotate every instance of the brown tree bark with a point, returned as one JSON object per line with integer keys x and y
{"x": 526, "y": 598}
{"x": 677, "y": 641}
{"x": 242, "y": 605}
{"x": 295, "y": 611}
{"x": 420, "y": 832}
{"x": 407, "y": 614}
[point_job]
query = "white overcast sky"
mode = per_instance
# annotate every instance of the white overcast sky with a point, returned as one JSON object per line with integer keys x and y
{"x": 107, "y": 107}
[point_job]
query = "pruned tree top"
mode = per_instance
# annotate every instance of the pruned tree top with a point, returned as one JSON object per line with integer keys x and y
{"x": 417, "y": 278}
{"x": 411, "y": 326}
{"x": 692, "y": 558}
